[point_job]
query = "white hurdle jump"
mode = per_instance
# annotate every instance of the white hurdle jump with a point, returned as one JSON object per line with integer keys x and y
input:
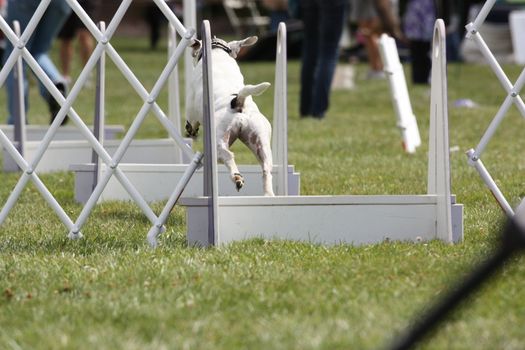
{"x": 513, "y": 97}
{"x": 216, "y": 220}
{"x": 154, "y": 181}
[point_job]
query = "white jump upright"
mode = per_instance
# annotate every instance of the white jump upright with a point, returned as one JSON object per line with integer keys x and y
{"x": 438, "y": 145}
{"x": 513, "y": 97}
{"x": 345, "y": 219}
{"x": 111, "y": 163}
{"x": 280, "y": 113}
{"x": 406, "y": 120}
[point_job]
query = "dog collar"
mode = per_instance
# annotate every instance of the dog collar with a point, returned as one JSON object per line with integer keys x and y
{"x": 217, "y": 44}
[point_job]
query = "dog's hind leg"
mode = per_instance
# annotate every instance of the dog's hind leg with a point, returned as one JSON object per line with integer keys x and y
{"x": 260, "y": 145}
{"x": 226, "y": 156}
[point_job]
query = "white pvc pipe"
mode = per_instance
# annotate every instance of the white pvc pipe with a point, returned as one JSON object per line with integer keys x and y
{"x": 158, "y": 226}
{"x": 173, "y": 89}
{"x": 518, "y": 86}
{"x": 92, "y": 27}
{"x": 13, "y": 196}
{"x": 173, "y": 82}
{"x": 84, "y": 75}
{"x": 482, "y": 15}
{"x": 493, "y": 126}
{"x": 511, "y": 90}
{"x": 50, "y": 199}
{"x": 189, "y": 9}
{"x": 66, "y": 108}
{"x": 19, "y": 43}
{"x": 183, "y": 31}
{"x": 149, "y": 101}
{"x": 20, "y": 118}
{"x": 100, "y": 107}
{"x": 489, "y": 182}
{"x": 485, "y": 51}
{"x": 143, "y": 93}
{"x": 66, "y": 104}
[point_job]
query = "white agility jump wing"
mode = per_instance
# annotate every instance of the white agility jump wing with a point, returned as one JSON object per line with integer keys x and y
{"x": 406, "y": 120}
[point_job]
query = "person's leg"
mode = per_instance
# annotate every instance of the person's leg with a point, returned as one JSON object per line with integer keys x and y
{"x": 310, "y": 14}
{"x": 47, "y": 30}
{"x": 155, "y": 19}
{"x": 370, "y": 29}
{"x": 41, "y": 41}
{"x": 22, "y": 12}
{"x": 85, "y": 41}
{"x": 66, "y": 36}
{"x": 420, "y": 61}
{"x": 332, "y": 16}
{"x": 66, "y": 56}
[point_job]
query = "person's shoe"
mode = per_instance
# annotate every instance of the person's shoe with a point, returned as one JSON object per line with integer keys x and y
{"x": 54, "y": 106}
{"x": 375, "y": 75}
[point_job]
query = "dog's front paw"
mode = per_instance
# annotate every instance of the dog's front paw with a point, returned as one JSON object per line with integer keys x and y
{"x": 239, "y": 181}
{"x": 192, "y": 131}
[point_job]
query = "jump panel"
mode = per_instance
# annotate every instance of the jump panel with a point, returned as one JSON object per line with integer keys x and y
{"x": 61, "y": 154}
{"x": 156, "y": 181}
{"x": 68, "y": 132}
{"x": 353, "y": 220}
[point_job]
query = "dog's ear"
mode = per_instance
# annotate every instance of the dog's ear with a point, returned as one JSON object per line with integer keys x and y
{"x": 236, "y": 45}
{"x": 196, "y": 46}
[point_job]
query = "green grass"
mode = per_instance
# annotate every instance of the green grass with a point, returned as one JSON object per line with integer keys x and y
{"x": 111, "y": 291}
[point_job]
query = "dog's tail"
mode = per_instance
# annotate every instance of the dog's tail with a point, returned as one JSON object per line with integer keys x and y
{"x": 237, "y": 103}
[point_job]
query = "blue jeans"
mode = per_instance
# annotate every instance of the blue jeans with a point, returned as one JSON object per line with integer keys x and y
{"x": 323, "y": 25}
{"x": 38, "y": 45}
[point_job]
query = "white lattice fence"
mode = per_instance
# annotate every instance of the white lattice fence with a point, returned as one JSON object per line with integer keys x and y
{"x": 513, "y": 97}
{"x": 103, "y": 38}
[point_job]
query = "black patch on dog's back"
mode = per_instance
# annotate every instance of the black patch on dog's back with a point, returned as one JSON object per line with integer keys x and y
{"x": 236, "y": 103}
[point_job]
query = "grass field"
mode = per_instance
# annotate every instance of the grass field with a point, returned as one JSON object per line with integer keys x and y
{"x": 111, "y": 291}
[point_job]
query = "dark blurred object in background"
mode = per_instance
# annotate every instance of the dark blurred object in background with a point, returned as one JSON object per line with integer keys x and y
{"x": 264, "y": 49}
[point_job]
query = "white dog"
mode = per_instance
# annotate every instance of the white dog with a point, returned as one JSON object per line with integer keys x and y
{"x": 236, "y": 114}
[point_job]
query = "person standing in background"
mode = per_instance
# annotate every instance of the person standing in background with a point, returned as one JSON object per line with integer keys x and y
{"x": 38, "y": 45}
{"x": 3, "y": 12}
{"x": 74, "y": 27}
{"x": 278, "y": 12}
{"x": 374, "y": 18}
{"x": 418, "y": 23}
{"x": 363, "y": 12}
{"x": 323, "y": 26}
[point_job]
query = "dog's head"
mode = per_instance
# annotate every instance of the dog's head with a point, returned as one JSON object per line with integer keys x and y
{"x": 232, "y": 47}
